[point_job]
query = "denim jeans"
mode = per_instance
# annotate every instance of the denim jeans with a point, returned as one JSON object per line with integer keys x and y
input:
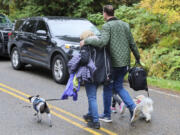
{"x": 91, "y": 91}
{"x": 118, "y": 74}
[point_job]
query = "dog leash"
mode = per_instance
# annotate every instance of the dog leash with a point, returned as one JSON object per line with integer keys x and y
{"x": 53, "y": 99}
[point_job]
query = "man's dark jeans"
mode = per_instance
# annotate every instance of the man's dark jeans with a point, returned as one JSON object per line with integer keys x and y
{"x": 118, "y": 75}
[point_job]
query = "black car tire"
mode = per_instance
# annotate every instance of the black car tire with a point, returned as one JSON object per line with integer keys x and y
{"x": 59, "y": 69}
{"x": 15, "y": 59}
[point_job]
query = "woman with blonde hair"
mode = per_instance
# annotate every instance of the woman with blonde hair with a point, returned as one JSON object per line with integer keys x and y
{"x": 92, "y": 116}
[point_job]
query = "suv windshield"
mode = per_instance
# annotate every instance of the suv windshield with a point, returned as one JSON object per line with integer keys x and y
{"x": 71, "y": 28}
{"x": 4, "y": 21}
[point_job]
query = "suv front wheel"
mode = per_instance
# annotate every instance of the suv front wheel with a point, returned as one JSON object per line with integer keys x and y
{"x": 15, "y": 59}
{"x": 59, "y": 69}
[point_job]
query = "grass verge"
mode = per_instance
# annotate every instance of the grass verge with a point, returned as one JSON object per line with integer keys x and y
{"x": 165, "y": 84}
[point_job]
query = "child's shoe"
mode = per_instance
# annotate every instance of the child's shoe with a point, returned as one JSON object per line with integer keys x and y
{"x": 122, "y": 108}
{"x": 113, "y": 109}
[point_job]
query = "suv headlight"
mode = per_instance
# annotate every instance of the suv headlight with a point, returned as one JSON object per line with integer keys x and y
{"x": 72, "y": 46}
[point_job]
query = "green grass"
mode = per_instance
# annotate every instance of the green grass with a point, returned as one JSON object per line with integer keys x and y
{"x": 166, "y": 84}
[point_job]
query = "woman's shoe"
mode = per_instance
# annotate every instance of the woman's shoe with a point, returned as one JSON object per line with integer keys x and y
{"x": 87, "y": 118}
{"x": 122, "y": 108}
{"x": 95, "y": 125}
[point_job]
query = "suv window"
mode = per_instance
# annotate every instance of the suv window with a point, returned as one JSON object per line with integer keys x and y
{"x": 18, "y": 24}
{"x": 71, "y": 28}
{"x": 4, "y": 21}
{"x": 42, "y": 26}
{"x": 29, "y": 26}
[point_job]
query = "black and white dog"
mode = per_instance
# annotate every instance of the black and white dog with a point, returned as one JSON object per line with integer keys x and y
{"x": 40, "y": 106}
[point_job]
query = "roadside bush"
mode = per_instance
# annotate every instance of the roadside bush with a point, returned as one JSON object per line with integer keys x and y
{"x": 161, "y": 62}
{"x": 145, "y": 36}
{"x": 97, "y": 19}
{"x": 171, "y": 41}
{"x": 168, "y": 8}
{"x": 27, "y": 11}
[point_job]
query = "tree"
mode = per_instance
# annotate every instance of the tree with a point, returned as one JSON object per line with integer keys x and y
{"x": 169, "y": 8}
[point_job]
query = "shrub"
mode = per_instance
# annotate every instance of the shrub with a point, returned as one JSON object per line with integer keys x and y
{"x": 161, "y": 62}
{"x": 169, "y": 8}
{"x": 171, "y": 41}
{"x": 145, "y": 36}
{"x": 97, "y": 19}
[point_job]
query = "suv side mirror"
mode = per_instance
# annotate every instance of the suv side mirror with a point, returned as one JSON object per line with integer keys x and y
{"x": 41, "y": 33}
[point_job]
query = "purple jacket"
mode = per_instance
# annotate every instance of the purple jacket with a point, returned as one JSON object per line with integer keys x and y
{"x": 83, "y": 73}
{"x": 73, "y": 64}
{"x": 70, "y": 90}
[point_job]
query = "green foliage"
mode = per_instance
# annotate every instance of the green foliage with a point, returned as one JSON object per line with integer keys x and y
{"x": 168, "y": 8}
{"x": 27, "y": 11}
{"x": 77, "y": 8}
{"x": 97, "y": 19}
{"x": 162, "y": 62}
{"x": 145, "y": 35}
{"x": 171, "y": 41}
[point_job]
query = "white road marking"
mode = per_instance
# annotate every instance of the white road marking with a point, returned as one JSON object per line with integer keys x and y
{"x": 160, "y": 92}
{"x": 164, "y": 93}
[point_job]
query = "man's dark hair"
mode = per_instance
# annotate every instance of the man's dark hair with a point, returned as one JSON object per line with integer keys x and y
{"x": 109, "y": 10}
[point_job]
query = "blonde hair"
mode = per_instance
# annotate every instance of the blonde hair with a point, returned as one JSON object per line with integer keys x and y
{"x": 86, "y": 34}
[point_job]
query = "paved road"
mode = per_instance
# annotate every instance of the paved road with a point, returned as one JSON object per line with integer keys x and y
{"x": 17, "y": 114}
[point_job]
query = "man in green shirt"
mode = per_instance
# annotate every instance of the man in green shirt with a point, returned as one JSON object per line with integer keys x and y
{"x": 116, "y": 36}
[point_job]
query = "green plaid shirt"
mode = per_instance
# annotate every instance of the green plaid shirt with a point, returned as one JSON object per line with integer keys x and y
{"x": 117, "y": 35}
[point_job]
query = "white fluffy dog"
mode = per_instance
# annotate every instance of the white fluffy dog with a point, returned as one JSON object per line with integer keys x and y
{"x": 146, "y": 105}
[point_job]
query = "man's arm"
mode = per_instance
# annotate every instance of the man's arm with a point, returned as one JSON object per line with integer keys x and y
{"x": 103, "y": 40}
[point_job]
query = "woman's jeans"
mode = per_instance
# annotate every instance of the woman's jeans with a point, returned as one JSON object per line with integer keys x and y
{"x": 91, "y": 91}
{"x": 118, "y": 74}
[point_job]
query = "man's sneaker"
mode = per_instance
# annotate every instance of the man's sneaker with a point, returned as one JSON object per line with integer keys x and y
{"x": 87, "y": 118}
{"x": 95, "y": 125}
{"x": 135, "y": 113}
{"x": 113, "y": 109}
{"x": 122, "y": 108}
{"x": 105, "y": 119}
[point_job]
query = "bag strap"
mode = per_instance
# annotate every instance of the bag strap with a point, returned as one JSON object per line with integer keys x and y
{"x": 147, "y": 92}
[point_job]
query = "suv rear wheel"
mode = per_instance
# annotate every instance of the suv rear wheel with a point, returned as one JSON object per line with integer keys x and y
{"x": 15, "y": 59}
{"x": 59, "y": 69}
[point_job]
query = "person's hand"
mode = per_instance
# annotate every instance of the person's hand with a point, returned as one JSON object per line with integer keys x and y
{"x": 138, "y": 61}
{"x": 82, "y": 43}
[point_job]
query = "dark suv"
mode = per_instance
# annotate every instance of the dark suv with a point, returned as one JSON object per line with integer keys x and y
{"x": 5, "y": 28}
{"x": 47, "y": 41}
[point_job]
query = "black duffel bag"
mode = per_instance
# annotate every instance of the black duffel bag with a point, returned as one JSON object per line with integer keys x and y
{"x": 138, "y": 79}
